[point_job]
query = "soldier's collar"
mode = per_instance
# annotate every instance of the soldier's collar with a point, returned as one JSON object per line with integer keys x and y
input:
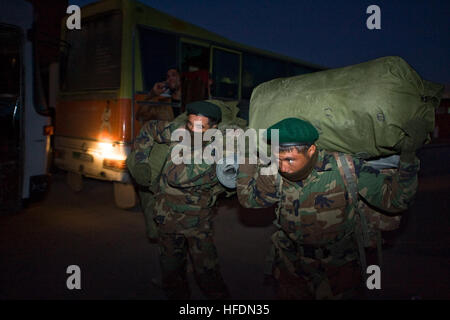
{"x": 323, "y": 161}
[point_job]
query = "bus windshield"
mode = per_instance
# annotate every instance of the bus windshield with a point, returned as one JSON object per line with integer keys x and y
{"x": 94, "y": 54}
{"x": 9, "y": 62}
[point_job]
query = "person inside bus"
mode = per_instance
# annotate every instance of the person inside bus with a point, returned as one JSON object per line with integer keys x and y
{"x": 168, "y": 91}
{"x": 169, "y": 88}
{"x": 174, "y": 89}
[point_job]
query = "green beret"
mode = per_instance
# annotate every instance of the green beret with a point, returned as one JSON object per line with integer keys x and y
{"x": 205, "y": 108}
{"x": 294, "y": 131}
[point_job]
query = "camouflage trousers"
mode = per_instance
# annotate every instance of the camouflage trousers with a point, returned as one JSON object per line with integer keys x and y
{"x": 196, "y": 244}
{"x": 305, "y": 276}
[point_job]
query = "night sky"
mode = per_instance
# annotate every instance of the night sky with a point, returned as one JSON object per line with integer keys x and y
{"x": 328, "y": 33}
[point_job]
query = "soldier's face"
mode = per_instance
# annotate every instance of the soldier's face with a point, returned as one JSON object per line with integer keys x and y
{"x": 196, "y": 123}
{"x": 293, "y": 161}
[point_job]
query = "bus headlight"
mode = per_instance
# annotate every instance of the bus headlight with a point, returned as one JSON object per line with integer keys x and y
{"x": 113, "y": 157}
{"x": 112, "y": 164}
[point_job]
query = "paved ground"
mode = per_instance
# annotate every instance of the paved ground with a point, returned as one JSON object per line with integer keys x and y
{"x": 117, "y": 262}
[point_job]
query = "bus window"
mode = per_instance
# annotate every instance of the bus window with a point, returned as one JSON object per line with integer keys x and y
{"x": 195, "y": 72}
{"x": 158, "y": 54}
{"x": 94, "y": 54}
{"x": 194, "y": 57}
{"x": 257, "y": 69}
{"x": 225, "y": 71}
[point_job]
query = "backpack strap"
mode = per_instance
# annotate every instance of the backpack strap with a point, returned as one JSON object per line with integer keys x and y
{"x": 346, "y": 168}
{"x": 271, "y": 255}
{"x": 279, "y": 192}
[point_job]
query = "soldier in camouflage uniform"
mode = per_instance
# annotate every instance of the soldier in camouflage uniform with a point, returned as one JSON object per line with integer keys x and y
{"x": 183, "y": 210}
{"x": 153, "y": 132}
{"x": 314, "y": 253}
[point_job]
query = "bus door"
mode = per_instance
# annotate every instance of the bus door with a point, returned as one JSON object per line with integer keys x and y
{"x": 195, "y": 76}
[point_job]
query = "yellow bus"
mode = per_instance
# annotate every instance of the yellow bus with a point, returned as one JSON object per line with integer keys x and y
{"x": 122, "y": 49}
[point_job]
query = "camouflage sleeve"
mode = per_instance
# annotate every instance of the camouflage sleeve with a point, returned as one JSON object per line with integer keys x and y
{"x": 153, "y": 131}
{"x": 389, "y": 192}
{"x": 191, "y": 175}
{"x": 255, "y": 190}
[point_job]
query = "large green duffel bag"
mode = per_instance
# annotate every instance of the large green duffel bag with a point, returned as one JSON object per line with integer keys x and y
{"x": 359, "y": 109}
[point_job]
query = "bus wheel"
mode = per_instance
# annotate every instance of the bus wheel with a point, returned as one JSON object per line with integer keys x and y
{"x": 75, "y": 181}
{"x": 124, "y": 195}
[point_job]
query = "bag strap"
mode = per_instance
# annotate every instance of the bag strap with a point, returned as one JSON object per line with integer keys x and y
{"x": 346, "y": 168}
{"x": 279, "y": 192}
{"x": 270, "y": 256}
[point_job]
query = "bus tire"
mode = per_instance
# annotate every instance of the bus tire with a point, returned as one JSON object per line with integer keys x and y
{"x": 75, "y": 181}
{"x": 124, "y": 195}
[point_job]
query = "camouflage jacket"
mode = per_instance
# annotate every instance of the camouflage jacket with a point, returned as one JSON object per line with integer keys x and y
{"x": 153, "y": 131}
{"x": 316, "y": 210}
{"x": 149, "y": 153}
{"x": 186, "y": 193}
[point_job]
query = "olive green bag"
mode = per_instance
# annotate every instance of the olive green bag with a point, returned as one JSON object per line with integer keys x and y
{"x": 359, "y": 109}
